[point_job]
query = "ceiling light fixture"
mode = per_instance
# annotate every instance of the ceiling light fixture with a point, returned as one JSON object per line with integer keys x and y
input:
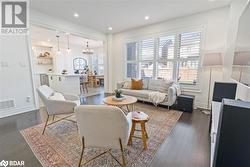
{"x": 87, "y": 50}
{"x": 48, "y": 40}
{"x": 58, "y": 46}
{"x": 68, "y": 49}
{"x": 76, "y": 15}
{"x": 146, "y": 17}
{"x": 110, "y": 28}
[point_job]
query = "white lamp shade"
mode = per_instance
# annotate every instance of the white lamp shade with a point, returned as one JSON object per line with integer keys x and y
{"x": 212, "y": 59}
{"x": 242, "y": 58}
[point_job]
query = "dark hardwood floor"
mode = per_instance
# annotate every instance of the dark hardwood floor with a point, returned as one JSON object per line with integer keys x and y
{"x": 186, "y": 146}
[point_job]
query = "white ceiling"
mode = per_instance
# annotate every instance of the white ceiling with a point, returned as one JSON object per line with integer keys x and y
{"x": 122, "y": 14}
{"x": 45, "y": 37}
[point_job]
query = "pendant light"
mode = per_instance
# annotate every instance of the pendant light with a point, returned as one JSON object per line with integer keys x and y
{"x": 58, "y": 46}
{"x": 87, "y": 50}
{"x": 68, "y": 49}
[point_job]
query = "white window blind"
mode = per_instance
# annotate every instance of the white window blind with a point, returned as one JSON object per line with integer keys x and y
{"x": 166, "y": 47}
{"x": 132, "y": 51}
{"x": 147, "y": 49}
{"x": 189, "y": 46}
{"x": 132, "y": 70}
{"x": 166, "y": 57}
{"x": 188, "y": 57}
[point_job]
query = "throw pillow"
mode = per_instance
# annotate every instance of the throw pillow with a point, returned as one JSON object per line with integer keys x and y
{"x": 145, "y": 84}
{"x": 136, "y": 84}
{"x": 57, "y": 96}
{"x": 164, "y": 86}
{"x": 127, "y": 85}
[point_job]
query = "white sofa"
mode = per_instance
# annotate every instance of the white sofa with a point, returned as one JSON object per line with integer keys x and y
{"x": 153, "y": 85}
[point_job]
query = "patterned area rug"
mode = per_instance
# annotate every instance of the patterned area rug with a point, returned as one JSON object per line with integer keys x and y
{"x": 60, "y": 146}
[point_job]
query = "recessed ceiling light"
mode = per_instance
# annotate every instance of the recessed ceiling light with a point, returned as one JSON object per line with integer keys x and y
{"x": 146, "y": 17}
{"x": 110, "y": 28}
{"x": 76, "y": 15}
{"x": 48, "y": 40}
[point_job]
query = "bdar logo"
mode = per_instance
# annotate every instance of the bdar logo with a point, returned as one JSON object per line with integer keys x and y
{"x": 14, "y": 14}
{"x": 4, "y": 163}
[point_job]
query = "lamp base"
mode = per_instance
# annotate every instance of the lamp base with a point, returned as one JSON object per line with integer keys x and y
{"x": 207, "y": 112}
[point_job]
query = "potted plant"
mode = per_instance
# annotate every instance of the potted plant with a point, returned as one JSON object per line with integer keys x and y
{"x": 64, "y": 72}
{"x": 118, "y": 93}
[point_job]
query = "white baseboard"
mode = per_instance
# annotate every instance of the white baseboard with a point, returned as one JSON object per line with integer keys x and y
{"x": 200, "y": 105}
{"x": 15, "y": 111}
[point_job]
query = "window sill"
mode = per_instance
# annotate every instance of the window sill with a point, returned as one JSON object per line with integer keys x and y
{"x": 191, "y": 90}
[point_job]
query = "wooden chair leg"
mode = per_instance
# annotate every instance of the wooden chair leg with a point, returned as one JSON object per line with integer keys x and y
{"x": 144, "y": 136}
{"x": 83, "y": 146}
{"x": 131, "y": 133}
{"x": 123, "y": 157}
{"x": 146, "y": 133}
{"x": 45, "y": 124}
{"x": 53, "y": 118}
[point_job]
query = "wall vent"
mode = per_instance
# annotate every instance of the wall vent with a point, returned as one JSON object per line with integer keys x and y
{"x": 5, "y": 104}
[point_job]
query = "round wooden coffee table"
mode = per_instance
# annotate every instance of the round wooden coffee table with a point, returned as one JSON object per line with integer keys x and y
{"x": 127, "y": 102}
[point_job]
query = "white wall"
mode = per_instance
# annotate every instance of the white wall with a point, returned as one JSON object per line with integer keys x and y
{"x": 215, "y": 25}
{"x": 236, "y": 9}
{"x": 16, "y": 76}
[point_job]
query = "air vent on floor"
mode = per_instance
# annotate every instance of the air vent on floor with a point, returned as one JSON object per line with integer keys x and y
{"x": 5, "y": 104}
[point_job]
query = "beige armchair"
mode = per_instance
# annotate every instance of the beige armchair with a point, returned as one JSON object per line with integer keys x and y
{"x": 103, "y": 126}
{"x": 57, "y": 104}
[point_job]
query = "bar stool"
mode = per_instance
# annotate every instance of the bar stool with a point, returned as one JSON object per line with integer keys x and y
{"x": 139, "y": 117}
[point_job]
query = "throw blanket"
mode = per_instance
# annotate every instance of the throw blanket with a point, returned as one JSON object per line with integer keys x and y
{"x": 157, "y": 97}
{"x": 177, "y": 88}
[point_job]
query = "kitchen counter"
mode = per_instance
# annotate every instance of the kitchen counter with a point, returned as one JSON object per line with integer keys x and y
{"x": 65, "y": 83}
{"x": 65, "y": 75}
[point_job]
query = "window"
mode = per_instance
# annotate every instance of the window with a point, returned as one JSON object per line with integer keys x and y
{"x": 79, "y": 63}
{"x": 97, "y": 64}
{"x": 100, "y": 65}
{"x": 146, "y": 69}
{"x": 166, "y": 57}
{"x": 188, "y": 57}
{"x": 147, "y": 47}
{"x": 132, "y": 54}
{"x": 165, "y": 63}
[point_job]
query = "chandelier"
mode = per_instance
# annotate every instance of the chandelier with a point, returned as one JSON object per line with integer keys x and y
{"x": 87, "y": 50}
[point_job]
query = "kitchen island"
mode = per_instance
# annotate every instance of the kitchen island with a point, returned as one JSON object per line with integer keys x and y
{"x": 65, "y": 83}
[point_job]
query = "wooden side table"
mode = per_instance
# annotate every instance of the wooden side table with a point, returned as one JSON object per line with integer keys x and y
{"x": 141, "y": 118}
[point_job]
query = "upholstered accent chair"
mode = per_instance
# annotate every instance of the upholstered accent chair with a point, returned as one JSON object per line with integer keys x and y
{"x": 57, "y": 104}
{"x": 103, "y": 126}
